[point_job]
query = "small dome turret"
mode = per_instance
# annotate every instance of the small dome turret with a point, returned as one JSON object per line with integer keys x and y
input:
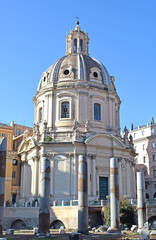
{"x": 77, "y": 41}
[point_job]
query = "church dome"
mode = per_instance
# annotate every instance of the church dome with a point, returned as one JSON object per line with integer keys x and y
{"x": 77, "y": 65}
{"x": 77, "y": 90}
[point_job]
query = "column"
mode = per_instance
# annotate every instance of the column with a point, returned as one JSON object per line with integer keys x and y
{"x": 123, "y": 165}
{"x": 43, "y": 112}
{"x": 67, "y": 172}
{"x": 141, "y": 205}
{"x": 23, "y": 188}
{"x": 3, "y": 148}
{"x": 126, "y": 185}
{"x": 72, "y": 176}
{"x": 35, "y": 176}
{"x": 75, "y": 175}
{"x": 46, "y": 106}
{"x": 93, "y": 176}
{"x": 50, "y": 111}
{"x": 120, "y": 177}
{"x": 52, "y": 176}
{"x": 114, "y": 196}
{"x": 44, "y": 211}
{"x": 110, "y": 112}
{"x": 82, "y": 195}
{"x": 134, "y": 182}
{"x": 128, "y": 177}
{"x": 23, "y": 176}
{"x": 21, "y": 182}
{"x": 89, "y": 174}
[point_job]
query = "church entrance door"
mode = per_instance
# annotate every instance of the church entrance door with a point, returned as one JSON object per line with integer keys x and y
{"x": 103, "y": 187}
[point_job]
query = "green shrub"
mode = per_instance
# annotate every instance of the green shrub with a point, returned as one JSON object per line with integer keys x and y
{"x": 48, "y": 139}
{"x": 126, "y": 213}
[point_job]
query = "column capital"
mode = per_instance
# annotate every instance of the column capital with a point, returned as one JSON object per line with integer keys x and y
{"x": 48, "y": 155}
{"x": 35, "y": 158}
{"x": 52, "y": 155}
{"x": 91, "y": 156}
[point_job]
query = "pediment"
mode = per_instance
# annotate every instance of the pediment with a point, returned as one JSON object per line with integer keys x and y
{"x": 104, "y": 140}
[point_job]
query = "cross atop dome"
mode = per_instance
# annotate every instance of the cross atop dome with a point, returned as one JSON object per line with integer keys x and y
{"x": 77, "y": 22}
{"x": 77, "y": 41}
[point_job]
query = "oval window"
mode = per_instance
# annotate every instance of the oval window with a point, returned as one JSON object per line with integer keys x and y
{"x": 66, "y": 72}
{"x": 95, "y": 74}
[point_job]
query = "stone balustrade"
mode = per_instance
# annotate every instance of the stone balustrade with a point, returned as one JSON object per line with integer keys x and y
{"x": 64, "y": 203}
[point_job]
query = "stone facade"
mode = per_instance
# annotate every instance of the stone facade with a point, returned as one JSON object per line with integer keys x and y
{"x": 76, "y": 113}
{"x": 144, "y": 139}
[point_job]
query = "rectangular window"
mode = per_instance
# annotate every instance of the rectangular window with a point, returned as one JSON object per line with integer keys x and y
{"x": 134, "y": 135}
{"x": 75, "y": 45}
{"x": 143, "y": 146}
{"x": 13, "y": 174}
{"x": 154, "y": 173}
{"x": 142, "y": 133}
{"x": 81, "y": 45}
{"x": 153, "y": 158}
{"x": 3, "y": 135}
{"x": 144, "y": 159}
{"x": 154, "y": 185}
{"x": 152, "y": 130}
{"x": 153, "y": 145}
{"x": 40, "y": 115}
{"x": 146, "y": 186}
{"x": 65, "y": 110}
{"x": 97, "y": 111}
{"x": 14, "y": 162}
{"x": 18, "y": 132}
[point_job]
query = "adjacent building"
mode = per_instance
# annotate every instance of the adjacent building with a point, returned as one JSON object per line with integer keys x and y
{"x": 76, "y": 113}
{"x": 14, "y": 135}
{"x": 144, "y": 139}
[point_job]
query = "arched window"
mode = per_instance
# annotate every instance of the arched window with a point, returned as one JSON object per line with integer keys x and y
{"x": 81, "y": 45}
{"x": 40, "y": 115}
{"x": 65, "y": 110}
{"x": 75, "y": 45}
{"x": 97, "y": 111}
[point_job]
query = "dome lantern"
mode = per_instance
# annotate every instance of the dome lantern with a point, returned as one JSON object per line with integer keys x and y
{"x": 77, "y": 41}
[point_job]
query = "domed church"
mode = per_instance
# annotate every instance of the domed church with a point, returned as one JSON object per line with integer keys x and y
{"x": 76, "y": 112}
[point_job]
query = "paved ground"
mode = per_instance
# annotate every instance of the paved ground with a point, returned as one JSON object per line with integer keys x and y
{"x": 66, "y": 237}
{"x": 27, "y": 235}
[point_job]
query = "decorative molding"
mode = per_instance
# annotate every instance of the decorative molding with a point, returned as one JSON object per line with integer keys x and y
{"x": 83, "y": 93}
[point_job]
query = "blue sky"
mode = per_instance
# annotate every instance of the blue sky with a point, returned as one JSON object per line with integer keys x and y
{"x": 122, "y": 36}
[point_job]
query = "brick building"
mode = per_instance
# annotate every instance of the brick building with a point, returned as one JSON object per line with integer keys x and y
{"x": 14, "y": 135}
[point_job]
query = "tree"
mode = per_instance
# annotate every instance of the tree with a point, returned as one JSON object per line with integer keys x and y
{"x": 126, "y": 213}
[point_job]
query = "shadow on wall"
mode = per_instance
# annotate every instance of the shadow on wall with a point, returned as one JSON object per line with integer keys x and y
{"x": 56, "y": 224}
{"x": 152, "y": 222}
{"x": 18, "y": 224}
